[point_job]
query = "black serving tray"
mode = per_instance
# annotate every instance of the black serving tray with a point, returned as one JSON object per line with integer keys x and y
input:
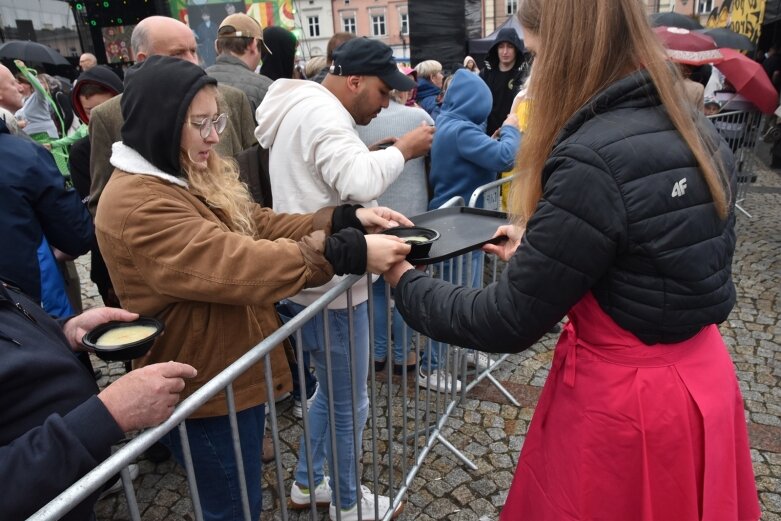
{"x": 461, "y": 229}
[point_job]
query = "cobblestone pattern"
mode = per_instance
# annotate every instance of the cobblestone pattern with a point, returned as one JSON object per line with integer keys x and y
{"x": 491, "y": 432}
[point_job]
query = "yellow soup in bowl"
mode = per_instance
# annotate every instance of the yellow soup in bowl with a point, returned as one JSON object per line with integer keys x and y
{"x": 121, "y": 336}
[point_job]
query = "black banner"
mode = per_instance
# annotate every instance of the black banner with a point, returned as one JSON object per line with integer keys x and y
{"x": 438, "y": 32}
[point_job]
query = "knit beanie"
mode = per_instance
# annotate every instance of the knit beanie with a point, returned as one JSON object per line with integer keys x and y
{"x": 157, "y": 96}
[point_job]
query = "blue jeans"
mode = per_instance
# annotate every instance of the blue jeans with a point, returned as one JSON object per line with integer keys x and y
{"x": 216, "y": 472}
{"x": 343, "y": 376}
{"x": 402, "y": 333}
{"x": 285, "y": 314}
{"x": 435, "y": 354}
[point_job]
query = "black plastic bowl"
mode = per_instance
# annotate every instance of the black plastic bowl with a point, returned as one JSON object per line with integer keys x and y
{"x": 125, "y": 351}
{"x": 419, "y": 249}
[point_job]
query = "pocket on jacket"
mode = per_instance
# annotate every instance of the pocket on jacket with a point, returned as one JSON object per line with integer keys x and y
{"x": 202, "y": 349}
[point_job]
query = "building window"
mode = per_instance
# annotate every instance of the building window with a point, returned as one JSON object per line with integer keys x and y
{"x": 348, "y": 24}
{"x": 314, "y": 26}
{"x": 378, "y": 25}
{"x": 404, "y": 23}
{"x": 704, "y": 6}
{"x": 511, "y": 6}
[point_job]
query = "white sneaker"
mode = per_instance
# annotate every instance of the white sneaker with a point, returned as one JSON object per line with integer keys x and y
{"x": 298, "y": 411}
{"x": 368, "y": 500}
{"x": 439, "y": 379}
{"x": 299, "y": 498}
{"x": 117, "y": 485}
{"x": 478, "y": 360}
{"x": 282, "y": 397}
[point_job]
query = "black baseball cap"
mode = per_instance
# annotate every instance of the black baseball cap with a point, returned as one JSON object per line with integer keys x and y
{"x": 367, "y": 57}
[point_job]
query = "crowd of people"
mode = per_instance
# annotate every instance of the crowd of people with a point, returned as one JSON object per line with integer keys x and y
{"x": 224, "y": 200}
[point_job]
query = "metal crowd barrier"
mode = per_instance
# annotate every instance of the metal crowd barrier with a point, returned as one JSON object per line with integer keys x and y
{"x": 741, "y": 130}
{"x": 405, "y": 420}
{"x": 118, "y": 462}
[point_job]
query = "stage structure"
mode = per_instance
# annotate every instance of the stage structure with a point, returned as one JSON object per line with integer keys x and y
{"x": 440, "y": 30}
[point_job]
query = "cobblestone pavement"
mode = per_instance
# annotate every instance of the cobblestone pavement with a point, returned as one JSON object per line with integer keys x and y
{"x": 491, "y": 431}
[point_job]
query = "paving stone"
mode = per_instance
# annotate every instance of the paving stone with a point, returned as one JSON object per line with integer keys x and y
{"x": 501, "y": 461}
{"x": 771, "y": 501}
{"x": 457, "y": 477}
{"x": 483, "y": 487}
{"x": 441, "y": 509}
{"x": 463, "y": 495}
{"x": 439, "y": 487}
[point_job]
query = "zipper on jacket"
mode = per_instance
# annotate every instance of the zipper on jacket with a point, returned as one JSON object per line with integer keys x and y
{"x": 25, "y": 313}
{"x": 10, "y": 339}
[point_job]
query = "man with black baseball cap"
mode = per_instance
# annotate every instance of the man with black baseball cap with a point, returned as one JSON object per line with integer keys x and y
{"x": 362, "y": 56}
{"x": 317, "y": 159}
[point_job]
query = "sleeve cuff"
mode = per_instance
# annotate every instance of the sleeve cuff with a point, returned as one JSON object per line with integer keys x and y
{"x": 408, "y": 276}
{"x": 345, "y": 217}
{"x": 346, "y": 251}
{"x": 95, "y": 427}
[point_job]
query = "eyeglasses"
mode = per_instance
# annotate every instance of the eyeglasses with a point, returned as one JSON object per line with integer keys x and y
{"x": 205, "y": 125}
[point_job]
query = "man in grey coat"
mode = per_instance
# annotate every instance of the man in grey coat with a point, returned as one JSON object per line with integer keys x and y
{"x": 240, "y": 47}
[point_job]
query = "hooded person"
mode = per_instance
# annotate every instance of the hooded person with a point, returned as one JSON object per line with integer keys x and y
{"x": 281, "y": 44}
{"x": 463, "y": 157}
{"x": 184, "y": 242}
{"x": 471, "y": 65}
{"x": 93, "y": 87}
{"x": 504, "y": 72}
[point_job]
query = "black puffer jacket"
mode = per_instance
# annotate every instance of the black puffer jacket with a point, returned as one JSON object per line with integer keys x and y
{"x": 625, "y": 214}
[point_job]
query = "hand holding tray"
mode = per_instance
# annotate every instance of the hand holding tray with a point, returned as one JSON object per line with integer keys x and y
{"x": 462, "y": 229}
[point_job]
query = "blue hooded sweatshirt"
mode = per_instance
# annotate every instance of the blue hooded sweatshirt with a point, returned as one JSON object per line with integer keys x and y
{"x": 463, "y": 157}
{"x": 427, "y": 97}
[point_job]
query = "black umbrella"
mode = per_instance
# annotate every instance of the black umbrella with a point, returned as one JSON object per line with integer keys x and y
{"x": 31, "y": 52}
{"x": 730, "y": 39}
{"x": 674, "y": 20}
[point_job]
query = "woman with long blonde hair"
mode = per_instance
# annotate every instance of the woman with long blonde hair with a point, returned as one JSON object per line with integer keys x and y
{"x": 624, "y": 222}
{"x": 184, "y": 242}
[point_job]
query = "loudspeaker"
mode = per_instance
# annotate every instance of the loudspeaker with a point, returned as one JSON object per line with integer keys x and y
{"x": 438, "y": 32}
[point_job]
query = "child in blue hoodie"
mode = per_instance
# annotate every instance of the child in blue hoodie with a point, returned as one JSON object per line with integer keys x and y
{"x": 464, "y": 158}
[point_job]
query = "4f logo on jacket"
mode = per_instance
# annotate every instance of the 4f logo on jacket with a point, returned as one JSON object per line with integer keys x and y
{"x": 679, "y": 188}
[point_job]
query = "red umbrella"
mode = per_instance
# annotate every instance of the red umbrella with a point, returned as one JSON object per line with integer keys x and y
{"x": 684, "y": 46}
{"x": 749, "y": 79}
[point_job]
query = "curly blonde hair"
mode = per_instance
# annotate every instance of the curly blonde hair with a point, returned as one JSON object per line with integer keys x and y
{"x": 220, "y": 186}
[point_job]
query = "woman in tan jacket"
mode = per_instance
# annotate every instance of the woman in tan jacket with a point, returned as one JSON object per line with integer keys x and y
{"x": 184, "y": 242}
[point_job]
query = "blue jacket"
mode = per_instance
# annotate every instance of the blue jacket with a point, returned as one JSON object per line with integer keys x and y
{"x": 427, "y": 97}
{"x": 34, "y": 203}
{"x": 463, "y": 157}
{"x": 53, "y": 428}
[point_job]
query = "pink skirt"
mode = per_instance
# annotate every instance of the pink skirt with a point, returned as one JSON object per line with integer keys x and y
{"x": 630, "y": 432}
